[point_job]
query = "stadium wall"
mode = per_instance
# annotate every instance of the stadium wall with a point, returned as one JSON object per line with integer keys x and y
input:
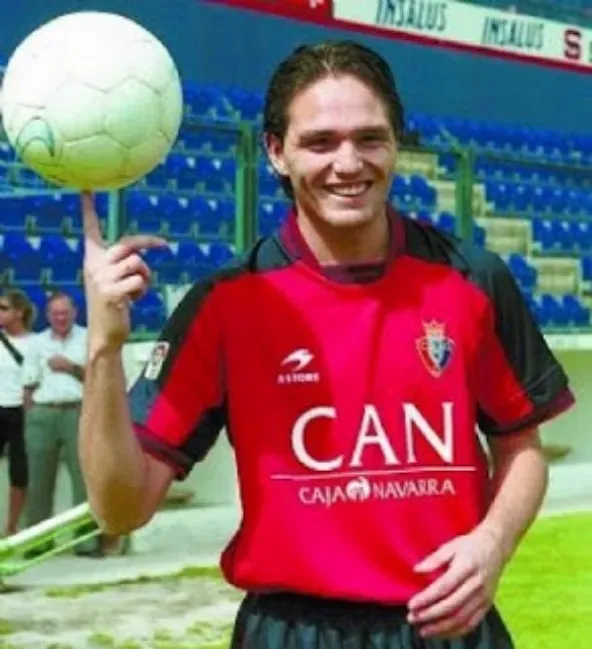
{"x": 214, "y": 43}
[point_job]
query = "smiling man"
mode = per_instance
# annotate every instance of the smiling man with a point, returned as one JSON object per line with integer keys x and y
{"x": 351, "y": 356}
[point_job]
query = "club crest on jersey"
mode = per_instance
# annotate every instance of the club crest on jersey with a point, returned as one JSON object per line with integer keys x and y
{"x": 435, "y": 348}
{"x": 156, "y": 361}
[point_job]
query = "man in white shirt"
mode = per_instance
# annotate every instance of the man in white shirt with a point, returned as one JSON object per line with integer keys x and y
{"x": 16, "y": 318}
{"x": 53, "y": 377}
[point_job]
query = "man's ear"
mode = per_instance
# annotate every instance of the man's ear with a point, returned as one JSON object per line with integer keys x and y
{"x": 275, "y": 152}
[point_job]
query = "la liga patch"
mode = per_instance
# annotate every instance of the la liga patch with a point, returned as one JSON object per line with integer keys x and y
{"x": 159, "y": 353}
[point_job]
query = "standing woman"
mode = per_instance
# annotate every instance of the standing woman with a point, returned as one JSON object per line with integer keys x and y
{"x": 16, "y": 319}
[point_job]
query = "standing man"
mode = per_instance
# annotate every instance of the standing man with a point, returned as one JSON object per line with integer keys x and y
{"x": 53, "y": 377}
{"x": 351, "y": 356}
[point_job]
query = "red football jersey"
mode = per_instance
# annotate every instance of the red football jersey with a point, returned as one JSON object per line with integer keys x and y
{"x": 352, "y": 403}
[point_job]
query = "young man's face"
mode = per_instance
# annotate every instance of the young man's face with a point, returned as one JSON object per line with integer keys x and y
{"x": 339, "y": 152}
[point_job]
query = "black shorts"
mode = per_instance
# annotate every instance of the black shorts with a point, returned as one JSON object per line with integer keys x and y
{"x": 287, "y": 621}
{"x": 12, "y": 437}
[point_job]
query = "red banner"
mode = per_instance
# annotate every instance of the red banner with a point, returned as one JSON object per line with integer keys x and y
{"x": 292, "y": 8}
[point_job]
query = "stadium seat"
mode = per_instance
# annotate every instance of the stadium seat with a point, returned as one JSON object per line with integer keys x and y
{"x": 447, "y": 222}
{"x": 14, "y": 215}
{"x": 194, "y": 260}
{"x": 158, "y": 178}
{"x": 219, "y": 254}
{"x": 248, "y": 104}
{"x": 270, "y": 215}
{"x": 269, "y": 184}
{"x": 586, "y": 267}
{"x": 524, "y": 273}
{"x": 149, "y": 312}
{"x": 479, "y": 236}
{"x": 575, "y": 313}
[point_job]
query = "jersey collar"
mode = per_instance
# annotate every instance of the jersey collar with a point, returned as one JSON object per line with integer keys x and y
{"x": 294, "y": 244}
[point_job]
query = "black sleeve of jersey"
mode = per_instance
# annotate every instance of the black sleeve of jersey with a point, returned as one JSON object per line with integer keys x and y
{"x": 177, "y": 403}
{"x": 521, "y": 383}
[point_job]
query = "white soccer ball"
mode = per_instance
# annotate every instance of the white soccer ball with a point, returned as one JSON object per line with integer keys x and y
{"x": 91, "y": 100}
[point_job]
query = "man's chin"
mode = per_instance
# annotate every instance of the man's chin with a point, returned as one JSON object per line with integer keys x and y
{"x": 347, "y": 218}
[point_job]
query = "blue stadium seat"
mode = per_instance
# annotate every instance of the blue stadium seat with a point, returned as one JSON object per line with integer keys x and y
{"x": 165, "y": 264}
{"x": 54, "y": 248}
{"x": 269, "y": 183}
{"x": 553, "y": 311}
{"x": 427, "y": 126}
{"x": 16, "y": 245}
{"x": 479, "y": 236}
{"x": 142, "y": 212}
{"x": 171, "y": 207}
{"x": 447, "y": 161}
{"x": 586, "y": 265}
{"x": 26, "y": 270}
{"x": 158, "y": 177}
{"x": 48, "y": 211}
{"x": 224, "y": 142}
{"x": 194, "y": 260}
{"x": 193, "y": 140}
{"x": 13, "y": 214}
{"x": 149, "y": 223}
{"x": 79, "y": 298}
{"x": 271, "y": 215}
{"x": 447, "y": 222}
{"x": 219, "y": 254}
{"x": 187, "y": 175}
{"x": 581, "y": 234}
{"x": 6, "y": 152}
{"x": 421, "y": 191}
{"x": 63, "y": 259}
{"x": 175, "y": 163}
{"x": 204, "y": 101}
{"x": 575, "y": 313}
{"x": 249, "y": 105}
{"x": 524, "y": 273}
{"x": 216, "y": 173}
{"x": 149, "y": 312}
{"x": 543, "y": 233}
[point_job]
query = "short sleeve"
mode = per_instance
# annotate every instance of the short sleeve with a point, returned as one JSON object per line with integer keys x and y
{"x": 521, "y": 384}
{"x": 178, "y": 401}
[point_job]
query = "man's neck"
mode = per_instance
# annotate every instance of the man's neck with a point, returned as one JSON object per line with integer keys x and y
{"x": 355, "y": 245}
{"x": 61, "y": 336}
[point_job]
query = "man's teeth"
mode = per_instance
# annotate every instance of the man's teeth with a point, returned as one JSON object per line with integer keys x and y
{"x": 350, "y": 190}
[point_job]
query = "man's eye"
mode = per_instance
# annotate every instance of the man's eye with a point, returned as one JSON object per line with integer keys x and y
{"x": 320, "y": 143}
{"x": 371, "y": 139}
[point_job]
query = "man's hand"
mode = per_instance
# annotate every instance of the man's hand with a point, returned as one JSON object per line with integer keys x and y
{"x": 60, "y": 364}
{"x": 456, "y": 602}
{"x": 113, "y": 276}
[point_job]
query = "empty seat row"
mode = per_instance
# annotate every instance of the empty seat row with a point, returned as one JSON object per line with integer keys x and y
{"x": 553, "y": 311}
{"x": 492, "y": 168}
{"x": 521, "y": 141}
{"x": 233, "y": 103}
{"x": 526, "y": 197}
{"x": 557, "y": 235}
